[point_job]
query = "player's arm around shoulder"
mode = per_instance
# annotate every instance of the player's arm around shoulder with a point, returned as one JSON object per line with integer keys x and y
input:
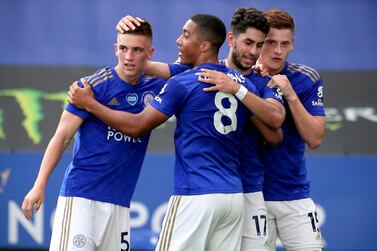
{"x": 269, "y": 111}
{"x": 131, "y": 124}
{"x": 157, "y": 69}
{"x": 67, "y": 127}
{"x": 246, "y": 92}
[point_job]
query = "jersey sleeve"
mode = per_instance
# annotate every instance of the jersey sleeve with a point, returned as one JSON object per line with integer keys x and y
{"x": 274, "y": 93}
{"x": 250, "y": 86}
{"x": 177, "y": 68}
{"x": 313, "y": 99}
{"x": 82, "y": 113}
{"x": 171, "y": 97}
{"x": 267, "y": 92}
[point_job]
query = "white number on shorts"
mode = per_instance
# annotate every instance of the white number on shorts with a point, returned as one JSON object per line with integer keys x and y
{"x": 228, "y": 112}
{"x": 257, "y": 225}
{"x": 124, "y": 242}
{"x": 314, "y": 220}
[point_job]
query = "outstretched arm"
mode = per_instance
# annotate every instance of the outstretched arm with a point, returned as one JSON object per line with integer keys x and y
{"x": 66, "y": 129}
{"x": 131, "y": 124}
{"x": 271, "y": 113}
{"x": 157, "y": 69}
{"x": 311, "y": 128}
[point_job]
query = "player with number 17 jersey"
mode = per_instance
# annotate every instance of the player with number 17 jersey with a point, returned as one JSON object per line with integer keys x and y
{"x": 209, "y": 132}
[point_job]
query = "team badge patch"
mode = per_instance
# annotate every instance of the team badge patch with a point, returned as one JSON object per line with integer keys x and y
{"x": 79, "y": 241}
{"x": 132, "y": 98}
{"x": 147, "y": 97}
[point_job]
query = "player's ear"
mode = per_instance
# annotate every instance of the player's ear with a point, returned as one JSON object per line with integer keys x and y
{"x": 150, "y": 53}
{"x": 205, "y": 46}
{"x": 230, "y": 38}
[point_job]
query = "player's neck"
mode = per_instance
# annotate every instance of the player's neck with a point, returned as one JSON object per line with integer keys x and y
{"x": 132, "y": 80}
{"x": 272, "y": 72}
{"x": 229, "y": 63}
{"x": 205, "y": 58}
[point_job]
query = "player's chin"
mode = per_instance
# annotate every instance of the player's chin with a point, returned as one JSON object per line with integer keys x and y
{"x": 182, "y": 59}
{"x": 248, "y": 63}
{"x": 131, "y": 73}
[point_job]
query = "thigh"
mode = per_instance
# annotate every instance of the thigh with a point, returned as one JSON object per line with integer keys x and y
{"x": 272, "y": 228}
{"x": 73, "y": 225}
{"x": 181, "y": 225}
{"x": 114, "y": 231}
{"x": 255, "y": 227}
{"x": 191, "y": 222}
{"x": 226, "y": 232}
{"x": 298, "y": 225}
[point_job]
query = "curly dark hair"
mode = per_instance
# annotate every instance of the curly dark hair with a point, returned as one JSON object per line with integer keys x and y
{"x": 244, "y": 18}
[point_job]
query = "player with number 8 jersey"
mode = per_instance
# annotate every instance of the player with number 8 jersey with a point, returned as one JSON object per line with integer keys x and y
{"x": 209, "y": 129}
{"x": 208, "y": 188}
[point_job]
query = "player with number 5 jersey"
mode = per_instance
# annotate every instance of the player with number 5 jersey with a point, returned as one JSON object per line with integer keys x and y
{"x": 92, "y": 212}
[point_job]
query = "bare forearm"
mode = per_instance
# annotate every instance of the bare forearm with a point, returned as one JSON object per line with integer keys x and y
{"x": 271, "y": 136}
{"x": 157, "y": 69}
{"x": 271, "y": 114}
{"x": 50, "y": 159}
{"x": 122, "y": 121}
{"x": 309, "y": 127}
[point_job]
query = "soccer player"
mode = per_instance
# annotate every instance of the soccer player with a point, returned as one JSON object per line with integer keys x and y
{"x": 206, "y": 209}
{"x": 292, "y": 213}
{"x": 93, "y": 206}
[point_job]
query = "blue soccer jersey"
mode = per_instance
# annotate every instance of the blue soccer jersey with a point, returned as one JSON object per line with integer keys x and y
{"x": 252, "y": 169}
{"x": 286, "y": 175}
{"x": 208, "y": 134}
{"x": 106, "y": 163}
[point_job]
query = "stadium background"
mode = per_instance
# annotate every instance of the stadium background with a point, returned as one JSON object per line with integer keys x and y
{"x": 45, "y": 45}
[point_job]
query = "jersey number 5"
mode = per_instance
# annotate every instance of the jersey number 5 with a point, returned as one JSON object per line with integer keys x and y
{"x": 125, "y": 245}
{"x": 228, "y": 112}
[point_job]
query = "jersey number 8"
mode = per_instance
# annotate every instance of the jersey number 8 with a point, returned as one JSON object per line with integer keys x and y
{"x": 228, "y": 112}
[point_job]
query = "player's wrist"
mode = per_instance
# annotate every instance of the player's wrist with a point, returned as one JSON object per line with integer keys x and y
{"x": 292, "y": 97}
{"x": 241, "y": 93}
{"x": 89, "y": 105}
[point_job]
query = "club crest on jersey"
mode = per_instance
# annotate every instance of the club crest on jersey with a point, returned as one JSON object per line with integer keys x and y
{"x": 79, "y": 241}
{"x": 132, "y": 98}
{"x": 147, "y": 97}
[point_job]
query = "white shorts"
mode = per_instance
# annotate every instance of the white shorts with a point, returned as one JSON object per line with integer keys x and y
{"x": 255, "y": 225}
{"x": 88, "y": 225}
{"x": 295, "y": 223}
{"x": 209, "y": 222}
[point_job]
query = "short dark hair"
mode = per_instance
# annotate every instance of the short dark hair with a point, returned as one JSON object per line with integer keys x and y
{"x": 145, "y": 29}
{"x": 244, "y": 18}
{"x": 210, "y": 28}
{"x": 280, "y": 19}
